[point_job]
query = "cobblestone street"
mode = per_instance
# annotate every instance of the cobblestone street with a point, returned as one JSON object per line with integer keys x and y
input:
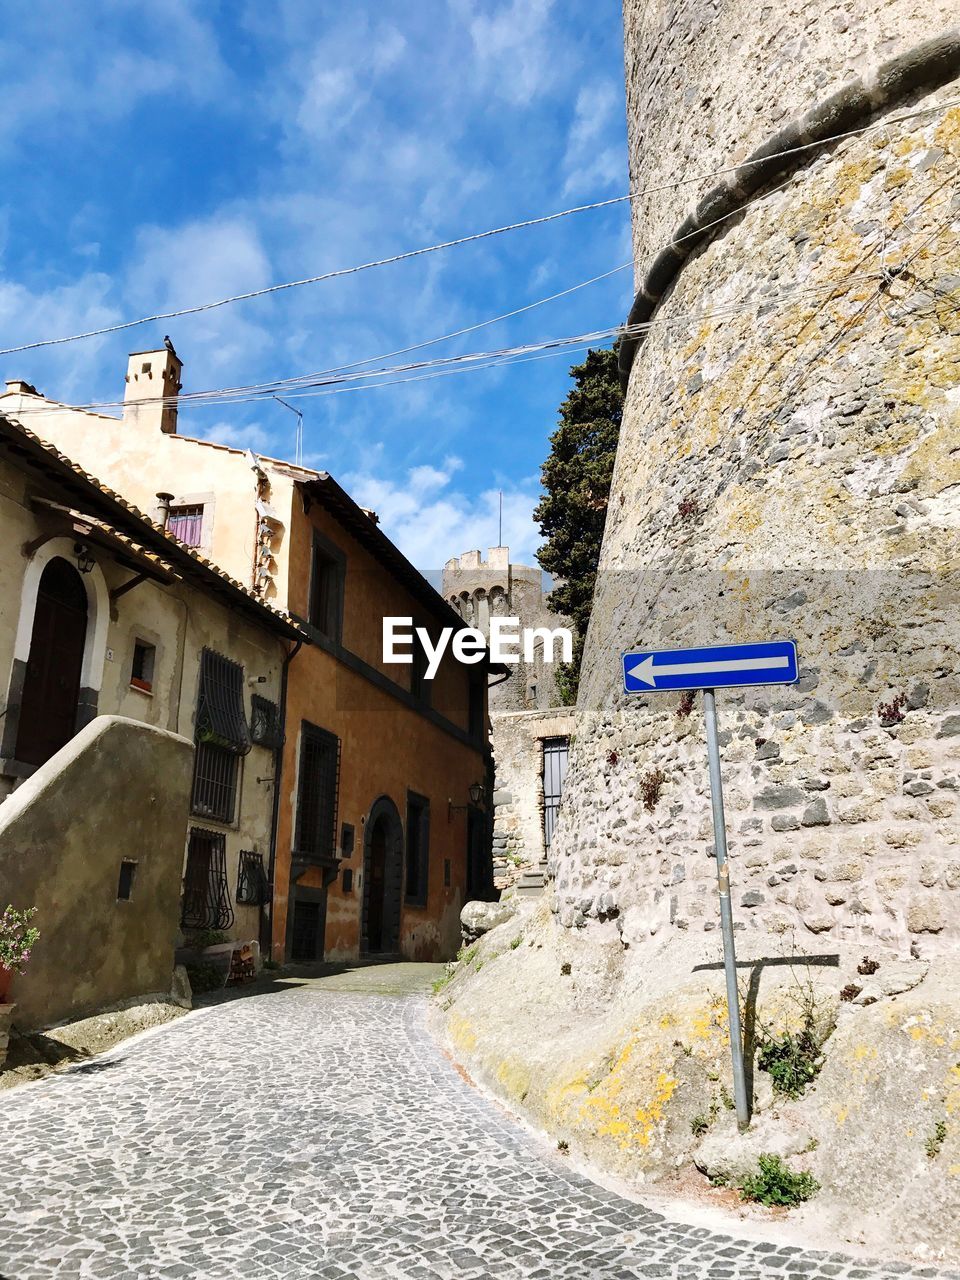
{"x": 317, "y": 1132}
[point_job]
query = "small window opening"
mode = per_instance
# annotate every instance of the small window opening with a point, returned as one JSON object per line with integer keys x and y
{"x": 446, "y": 873}
{"x": 128, "y": 870}
{"x": 186, "y": 523}
{"x": 347, "y": 837}
{"x": 348, "y": 880}
{"x": 326, "y": 591}
{"x": 141, "y": 671}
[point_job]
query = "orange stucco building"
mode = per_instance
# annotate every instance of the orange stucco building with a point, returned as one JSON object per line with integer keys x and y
{"x": 381, "y": 825}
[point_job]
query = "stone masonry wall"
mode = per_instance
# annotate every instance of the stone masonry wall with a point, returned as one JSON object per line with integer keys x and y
{"x": 518, "y": 800}
{"x": 789, "y": 466}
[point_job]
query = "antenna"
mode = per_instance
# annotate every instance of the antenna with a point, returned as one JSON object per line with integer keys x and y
{"x": 298, "y": 445}
{"x": 500, "y": 525}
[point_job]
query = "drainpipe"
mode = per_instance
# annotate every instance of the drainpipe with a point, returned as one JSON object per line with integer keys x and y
{"x": 266, "y": 944}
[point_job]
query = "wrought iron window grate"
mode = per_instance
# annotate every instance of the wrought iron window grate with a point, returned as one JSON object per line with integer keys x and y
{"x": 264, "y": 722}
{"x": 215, "y": 773}
{"x": 252, "y": 888}
{"x": 317, "y": 793}
{"x": 555, "y": 752}
{"x": 206, "y": 895}
{"x": 220, "y": 714}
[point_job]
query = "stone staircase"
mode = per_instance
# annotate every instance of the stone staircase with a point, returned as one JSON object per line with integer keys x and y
{"x": 532, "y": 881}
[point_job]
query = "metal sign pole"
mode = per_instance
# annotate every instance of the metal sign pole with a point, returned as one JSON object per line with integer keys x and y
{"x": 726, "y": 914}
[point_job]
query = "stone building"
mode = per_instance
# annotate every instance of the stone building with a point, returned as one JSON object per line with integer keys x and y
{"x": 375, "y": 840}
{"x": 789, "y": 466}
{"x": 131, "y": 664}
{"x": 530, "y": 733}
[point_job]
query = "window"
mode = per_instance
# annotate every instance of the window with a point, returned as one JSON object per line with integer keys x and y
{"x": 206, "y": 897}
{"x": 141, "y": 670}
{"x": 221, "y": 736}
{"x": 128, "y": 870}
{"x": 252, "y": 887}
{"x": 555, "y": 753}
{"x": 326, "y": 588}
{"x": 317, "y": 793}
{"x": 418, "y": 848}
{"x": 186, "y": 523}
{"x": 347, "y": 837}
{"x": 419, "y": 684}
{"x": 476, "y": 720}
{"x": 264, "y": 722}
{"x": 348, "y": 880}
{"x": 446, "y": 873}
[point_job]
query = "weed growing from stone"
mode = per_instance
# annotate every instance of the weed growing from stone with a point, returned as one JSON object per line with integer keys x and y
{"x": 466, "y": 955}
{"x": 776, "y": 1184}
{"x": 726, "y": 1099}
{"x": 793, "y": 1059}
{"x": 516, "y": 942}
{"x": 651, "y": 784}
{"x": 699, "y": 1125}
{"x": 565, "y": 969}
{"x": 686, "y": 704}
{"x": 850, "y": 991}
{"x": 563, "y": 1147}
{"x": 868, "y": 966}
{"x": 892, "y": 712}
{"x": 936, "y": 1139}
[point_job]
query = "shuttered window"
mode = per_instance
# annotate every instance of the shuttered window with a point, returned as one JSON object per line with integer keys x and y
{"x": 317, "y": 793}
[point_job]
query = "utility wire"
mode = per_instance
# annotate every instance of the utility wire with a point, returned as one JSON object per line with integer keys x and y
{"x": 465, "y": 362}
{"x": 468, "y": 239}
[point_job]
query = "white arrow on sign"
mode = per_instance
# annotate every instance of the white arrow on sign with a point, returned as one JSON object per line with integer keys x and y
{"x": 646, "y": 673}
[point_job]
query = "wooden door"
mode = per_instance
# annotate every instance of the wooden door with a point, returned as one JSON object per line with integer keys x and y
{"x": 51, "y": 688}
{"x": 376, "y": 882}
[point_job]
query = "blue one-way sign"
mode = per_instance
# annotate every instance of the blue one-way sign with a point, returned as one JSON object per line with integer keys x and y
{"x": 717, "y": 667}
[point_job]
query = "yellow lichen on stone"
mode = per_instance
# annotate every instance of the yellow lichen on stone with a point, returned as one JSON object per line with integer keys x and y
{"x": 947, "y": 133}
{"x": 462, "y": 1033}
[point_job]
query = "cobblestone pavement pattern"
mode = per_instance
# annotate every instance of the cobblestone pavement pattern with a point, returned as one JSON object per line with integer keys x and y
{"x": 321, "y": 1133}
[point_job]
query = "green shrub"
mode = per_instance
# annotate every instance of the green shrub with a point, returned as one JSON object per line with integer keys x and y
{"x": 699, "y": 1126}
{"x": 936, "y": 1139}
{"x": 204, "y": 977}
{"x": 775, "y": 1184}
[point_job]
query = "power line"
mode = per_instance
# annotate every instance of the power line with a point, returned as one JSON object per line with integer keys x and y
{"x": 468, "y": 239}
{"x": 360, "y": 380}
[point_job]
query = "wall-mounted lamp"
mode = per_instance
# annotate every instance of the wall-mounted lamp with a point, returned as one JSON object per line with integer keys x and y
{"x": 85, "y": 560}
{"x": 477, "y": 793}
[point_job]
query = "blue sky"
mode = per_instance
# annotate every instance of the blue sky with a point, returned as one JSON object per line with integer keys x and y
{"x": 163, "y": 156}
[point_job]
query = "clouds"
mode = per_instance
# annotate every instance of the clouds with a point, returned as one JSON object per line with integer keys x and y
{"x": 594, "y": 160}
{"x": 242, "y": 145}
{"x": 431, "y": 516}
{"x": 517, "y": 51}
{"x": 53, "y": 58}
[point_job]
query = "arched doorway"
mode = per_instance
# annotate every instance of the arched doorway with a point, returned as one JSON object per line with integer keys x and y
{"x": 51, "y": 685}
{"x": 382, "y": 878}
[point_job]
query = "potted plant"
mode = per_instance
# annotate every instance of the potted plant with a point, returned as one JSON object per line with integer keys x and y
{"x": 17, "y": 938}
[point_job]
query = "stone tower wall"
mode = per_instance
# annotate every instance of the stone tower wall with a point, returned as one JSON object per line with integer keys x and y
{"x": 479, "y": 588}
{"x": 789, "y": 466}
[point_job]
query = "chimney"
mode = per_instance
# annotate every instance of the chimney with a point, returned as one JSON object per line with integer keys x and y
{"x": 153, "y": 383}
